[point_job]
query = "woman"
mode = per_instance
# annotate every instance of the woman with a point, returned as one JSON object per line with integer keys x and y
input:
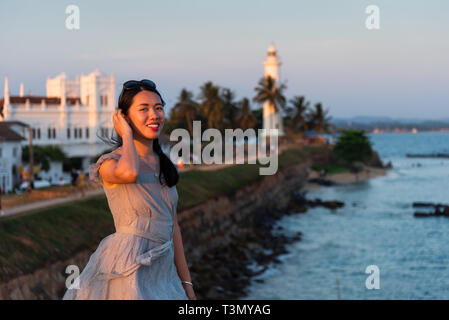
{"x": 144, "y": 258}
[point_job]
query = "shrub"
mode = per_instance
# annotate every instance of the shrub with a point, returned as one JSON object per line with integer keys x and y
{"x": 353, "y": 145}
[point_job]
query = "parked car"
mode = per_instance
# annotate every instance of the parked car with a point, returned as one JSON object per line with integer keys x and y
{"x": 37, "y": 185}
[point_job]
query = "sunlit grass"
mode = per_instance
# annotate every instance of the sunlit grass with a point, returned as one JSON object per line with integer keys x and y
{"x": 33, "y": 241}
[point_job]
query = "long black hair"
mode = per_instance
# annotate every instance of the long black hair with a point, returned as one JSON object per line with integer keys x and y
{"x": 167, "y": 168}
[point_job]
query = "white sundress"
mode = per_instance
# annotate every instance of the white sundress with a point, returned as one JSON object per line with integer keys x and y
{"x": 137, "y": 261}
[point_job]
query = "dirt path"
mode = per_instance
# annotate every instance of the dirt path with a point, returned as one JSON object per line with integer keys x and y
{"x": 27, "y": 208}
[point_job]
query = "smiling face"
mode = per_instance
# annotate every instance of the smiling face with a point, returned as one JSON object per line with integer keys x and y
{"x": 146, "y": 115}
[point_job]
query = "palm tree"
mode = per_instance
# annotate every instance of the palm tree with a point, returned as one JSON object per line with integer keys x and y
{"x": 258, "y": 115}
{"x": 245, "y": 119}
{"x": 212, "y": 105}
{"x": 268, "y": 91}
{"x": 298, "y": 120}
{"x": 186, "y": 109}
{"x": 319, "y": 120}
{"x": 230, "y": 108}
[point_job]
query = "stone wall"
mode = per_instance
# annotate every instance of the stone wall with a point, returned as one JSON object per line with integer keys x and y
{"x": 218, "y": 221}
{"x": 44, "y": 284}
{"x": 204, "y": 227}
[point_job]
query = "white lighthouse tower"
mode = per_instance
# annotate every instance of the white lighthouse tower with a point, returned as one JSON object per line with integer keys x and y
{"x": 271, "y": 118}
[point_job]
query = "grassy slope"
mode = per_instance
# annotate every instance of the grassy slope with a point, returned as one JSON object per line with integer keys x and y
{"x": 32, "y": 241}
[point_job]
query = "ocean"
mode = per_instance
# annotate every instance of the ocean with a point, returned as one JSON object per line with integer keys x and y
{"x": 376, "y": 227}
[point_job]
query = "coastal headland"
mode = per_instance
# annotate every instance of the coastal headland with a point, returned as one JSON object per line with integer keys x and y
{"x": 226, "y": 217}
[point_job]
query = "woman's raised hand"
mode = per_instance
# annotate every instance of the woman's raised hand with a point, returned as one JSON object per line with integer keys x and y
{"x": 121, "y": 124}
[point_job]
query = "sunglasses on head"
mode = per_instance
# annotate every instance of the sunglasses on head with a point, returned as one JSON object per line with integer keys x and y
{"x": 131, "y": 84}
{"x": 145, "y": 83}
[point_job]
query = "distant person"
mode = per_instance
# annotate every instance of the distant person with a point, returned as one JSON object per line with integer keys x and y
{"x": 73, "y": 177}
{"x": 323, "y": 173}
{"x": 144, "y": 259}
{"x": 31, "y": 186}
{"x": 81, "y": 183}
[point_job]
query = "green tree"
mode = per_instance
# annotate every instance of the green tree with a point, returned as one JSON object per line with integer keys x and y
{"x": 297, "y": 114}
{"x": 171, "y": 124}
{"x": 353, "y": 145}
{"x": 212, "y": 105}
{"x": 185, "y": 111}
{"x": 319, "y": 120}
{"x": 42, "y": 155}
{"x": 267, "y": 90}
{"x": 258, "y": 115}
{"x": 246, "y": 118}
{"x": 230, "y": 108}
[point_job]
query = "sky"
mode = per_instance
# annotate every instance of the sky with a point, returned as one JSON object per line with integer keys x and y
{"x": 328, "y": 55}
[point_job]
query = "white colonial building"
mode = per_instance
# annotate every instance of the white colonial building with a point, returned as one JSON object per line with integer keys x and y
{"x": 71, "y": 114}
{"x": 271, "y": 118}
{"x": 12, "y": 135}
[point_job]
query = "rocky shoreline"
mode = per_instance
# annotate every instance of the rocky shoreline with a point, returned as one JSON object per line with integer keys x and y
{"x": 315, "y": 181}
{"x": 431, "y": 155}
{"x": 225, "y": 272}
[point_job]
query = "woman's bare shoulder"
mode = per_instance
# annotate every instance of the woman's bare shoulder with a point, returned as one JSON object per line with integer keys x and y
{"x": 107, "y": 159}
{"x": 117, "y": 151}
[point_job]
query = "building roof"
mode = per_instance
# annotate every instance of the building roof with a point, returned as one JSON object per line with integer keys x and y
{"x": 7, "y": 134}
{"x": 12, "y": 122}
{"x": 38, "y": 99}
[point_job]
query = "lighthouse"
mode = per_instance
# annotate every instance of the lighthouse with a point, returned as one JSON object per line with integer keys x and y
{"x": 271, "y": 118}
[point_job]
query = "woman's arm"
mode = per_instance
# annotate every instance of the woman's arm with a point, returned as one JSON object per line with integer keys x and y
{"x": 124, "y": 170}
{"x": 180, "y": 260}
